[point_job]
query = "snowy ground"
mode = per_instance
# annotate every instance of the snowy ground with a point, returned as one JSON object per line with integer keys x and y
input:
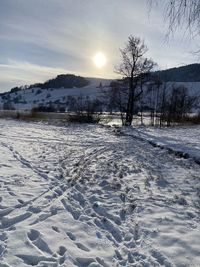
{"x": 85, "y": 196}
{"x": 184, "y": 139}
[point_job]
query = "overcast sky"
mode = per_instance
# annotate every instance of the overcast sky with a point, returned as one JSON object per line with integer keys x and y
{"x": 42, "y": 38}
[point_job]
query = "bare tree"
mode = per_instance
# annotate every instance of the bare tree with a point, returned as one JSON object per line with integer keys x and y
{"x": 84, "y": 109}
{"x": 181, "y": 12}
{"x": 117, "y": 96}
{"x": 154, "y": 90}
{"x": 176, "y": 104}
{"x": 134, "y": 67}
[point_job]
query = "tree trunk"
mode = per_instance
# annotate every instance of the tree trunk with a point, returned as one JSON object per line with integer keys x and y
{"x": 130, "y": 104}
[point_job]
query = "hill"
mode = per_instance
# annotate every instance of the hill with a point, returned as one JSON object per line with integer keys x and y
{"x": 66, "y": 91}
{"x": 61, "y": 81}
{"x": 188, "y": 73}
{"x": 60, "y": 93}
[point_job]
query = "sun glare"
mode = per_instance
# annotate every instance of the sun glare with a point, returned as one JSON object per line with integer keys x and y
{"x": 99, "y": 60}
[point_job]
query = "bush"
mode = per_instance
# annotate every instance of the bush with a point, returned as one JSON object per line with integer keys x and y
{"x": 84, "y": 118}
{"x": 192, "y": 119}
{"x": 44, "y": 109}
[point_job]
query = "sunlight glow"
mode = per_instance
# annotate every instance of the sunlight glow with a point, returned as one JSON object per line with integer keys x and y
{"x": 99, "y": 60}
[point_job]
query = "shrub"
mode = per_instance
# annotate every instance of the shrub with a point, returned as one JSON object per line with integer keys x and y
{"x": 84, "y": 118}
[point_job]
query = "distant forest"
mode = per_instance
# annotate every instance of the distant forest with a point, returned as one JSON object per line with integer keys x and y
{"x": 188, "y": 73}
{"x": 62, "y": 80}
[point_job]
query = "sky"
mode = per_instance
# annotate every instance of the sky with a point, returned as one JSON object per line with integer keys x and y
{"x": 40, "y": 39}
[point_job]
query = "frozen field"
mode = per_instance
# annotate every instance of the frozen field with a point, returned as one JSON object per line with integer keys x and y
{"x": 85, "y": 196}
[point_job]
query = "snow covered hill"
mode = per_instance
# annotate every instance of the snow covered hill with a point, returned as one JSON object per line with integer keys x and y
{"x": 29, "y": 98}
{"x": 82, "y": 196}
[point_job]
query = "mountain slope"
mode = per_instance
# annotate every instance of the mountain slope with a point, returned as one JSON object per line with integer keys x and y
{"x": 37, "y": 95}
{"x": 188, "y": 73}
{"x": 62, "y": 91}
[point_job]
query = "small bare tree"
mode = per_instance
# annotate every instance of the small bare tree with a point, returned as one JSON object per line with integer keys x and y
{"x": 134, "y": 68}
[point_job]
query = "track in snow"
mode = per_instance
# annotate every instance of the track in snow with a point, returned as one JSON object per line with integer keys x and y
{"x": 83, "y": 196}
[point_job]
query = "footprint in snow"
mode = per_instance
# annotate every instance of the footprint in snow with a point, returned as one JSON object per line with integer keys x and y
{"x": 55, "y": 228}
{"x": 11, "y": 193}
{"x": 62, "y": 250}
{"x": 98, "y": 234}
{"x": 33, "y": 235}
{"x": 79, "y": 245}
{"x": 71, "y": 236}
{"x": 82, "y": 247}
{"x": 35, "y": 238}
{"x": 20, "y": 201}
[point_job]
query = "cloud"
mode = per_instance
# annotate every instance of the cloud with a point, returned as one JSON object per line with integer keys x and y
{"x": 44, "y": 38}
{"x": 17, "y": 73}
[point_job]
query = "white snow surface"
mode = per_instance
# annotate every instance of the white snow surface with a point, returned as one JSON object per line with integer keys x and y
{"x": 30, "y": 98}
{"x": 185, "y": 139}
{"x": 87, "y": 196}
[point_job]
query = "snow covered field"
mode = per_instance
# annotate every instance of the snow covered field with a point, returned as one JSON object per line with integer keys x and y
{"x": 84, "y": 196}
{"x": 185, "y": 139}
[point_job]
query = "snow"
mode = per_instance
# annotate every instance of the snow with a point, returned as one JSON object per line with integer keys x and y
{"x": 34, "y": 97}
{"x": 30, "y": 98}
{"x": 89, "y": 196}
{"x": 183, "y": 140}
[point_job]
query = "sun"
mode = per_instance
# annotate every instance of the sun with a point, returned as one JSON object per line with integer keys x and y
{"x": 99, "y": 60}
